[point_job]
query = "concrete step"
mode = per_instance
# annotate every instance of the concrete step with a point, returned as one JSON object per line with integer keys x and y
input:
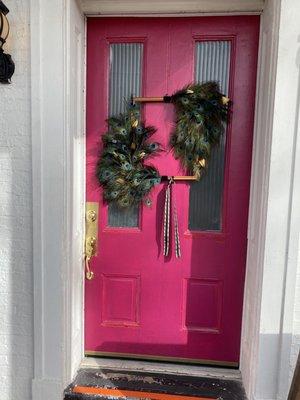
{"x": 100, "y": 383}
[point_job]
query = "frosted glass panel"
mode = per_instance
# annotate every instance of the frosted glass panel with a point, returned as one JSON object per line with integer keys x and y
{"x": 126, "y": 61}
{"x": 212, "y": 62}
{"x": 128, "y": 218}
{"x": 125, "y": 78}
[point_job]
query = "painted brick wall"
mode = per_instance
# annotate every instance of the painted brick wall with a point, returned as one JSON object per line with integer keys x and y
{"x": 16, "y": 319}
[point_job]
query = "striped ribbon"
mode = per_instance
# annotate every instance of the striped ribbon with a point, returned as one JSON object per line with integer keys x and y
{"x": 170, "y": 203}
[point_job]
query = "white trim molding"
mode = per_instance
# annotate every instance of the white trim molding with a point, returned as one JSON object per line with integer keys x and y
{"x": 273, "y": 266}
{"x": 166, "y": 7}
{"x": 58, "y": 154}
{"x": 280, "y": 270}
{"x": 262, "y": 141}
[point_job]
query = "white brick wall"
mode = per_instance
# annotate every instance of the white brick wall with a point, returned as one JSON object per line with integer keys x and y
{"x": 16, "y": 320}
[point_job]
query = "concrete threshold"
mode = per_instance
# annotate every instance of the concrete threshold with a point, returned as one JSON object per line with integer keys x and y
{"x": 161, "y": 368}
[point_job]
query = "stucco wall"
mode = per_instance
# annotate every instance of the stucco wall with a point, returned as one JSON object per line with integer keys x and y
{"x": 16, "y": 321}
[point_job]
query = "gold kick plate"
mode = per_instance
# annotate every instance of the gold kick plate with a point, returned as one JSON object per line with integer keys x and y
{"x": 91, "y": 235}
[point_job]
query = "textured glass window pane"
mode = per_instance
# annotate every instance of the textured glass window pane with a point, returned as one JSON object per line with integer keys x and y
{"x": 212, "y": 63}
{"x": 125, "y": 79}
{"x": 128, "y": 218}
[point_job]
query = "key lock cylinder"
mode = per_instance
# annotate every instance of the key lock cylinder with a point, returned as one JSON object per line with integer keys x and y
{"x": 91, "y": 236}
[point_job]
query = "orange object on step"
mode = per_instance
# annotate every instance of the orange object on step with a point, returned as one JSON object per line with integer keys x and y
{"x": 133, "y": 393}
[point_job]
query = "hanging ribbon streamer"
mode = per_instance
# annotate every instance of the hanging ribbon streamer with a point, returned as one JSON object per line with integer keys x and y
{"x": 167, "y": 220}
{"x": 169, "y": 203}
{"x": 176, "y": 230}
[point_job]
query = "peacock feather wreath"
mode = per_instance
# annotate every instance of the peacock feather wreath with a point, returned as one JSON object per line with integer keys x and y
{"x": 201, "y": 113}
{"x": 121, "y": 169}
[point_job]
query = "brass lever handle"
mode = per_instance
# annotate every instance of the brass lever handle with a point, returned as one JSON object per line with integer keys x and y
{"x": 90, "y": 251}
{"x": 88, "y": 273}
{"x": 91, "y": 244}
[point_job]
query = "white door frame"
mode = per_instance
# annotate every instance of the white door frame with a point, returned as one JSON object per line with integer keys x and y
{"x": 57, "y": 44}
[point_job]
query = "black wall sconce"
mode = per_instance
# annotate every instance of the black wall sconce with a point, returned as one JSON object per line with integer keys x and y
{"x": 7, "y": 66}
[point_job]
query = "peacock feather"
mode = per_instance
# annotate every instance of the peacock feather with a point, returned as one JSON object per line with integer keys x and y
{"x": 201, "y": 113}
{"x": 121, "y": 169}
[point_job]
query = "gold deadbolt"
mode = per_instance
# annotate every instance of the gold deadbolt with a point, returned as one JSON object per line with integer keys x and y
{"x": 91, "y": 216}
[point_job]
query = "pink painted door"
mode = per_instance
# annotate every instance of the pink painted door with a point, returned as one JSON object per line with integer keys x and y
{"x": 140, "y": 303}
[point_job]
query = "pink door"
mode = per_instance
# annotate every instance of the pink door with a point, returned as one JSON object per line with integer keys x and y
{"x": 141, "y": 304}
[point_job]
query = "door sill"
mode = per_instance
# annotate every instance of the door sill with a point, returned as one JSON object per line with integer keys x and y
{"x": 161, "y": 368}
{"x": 149, "y": 357}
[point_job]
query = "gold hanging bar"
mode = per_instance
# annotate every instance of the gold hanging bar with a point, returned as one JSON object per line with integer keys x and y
{"x": 179, "y": 178}
{"x": 148, "y": 99}
{"x": 225, "y": 99}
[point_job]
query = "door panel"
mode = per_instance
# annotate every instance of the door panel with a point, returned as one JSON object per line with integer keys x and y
{"x": 140, "y": 302}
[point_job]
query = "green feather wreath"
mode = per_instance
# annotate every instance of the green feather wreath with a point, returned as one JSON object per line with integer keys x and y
{"x": 201, "y": 110}
{"x": 121, "y": 171}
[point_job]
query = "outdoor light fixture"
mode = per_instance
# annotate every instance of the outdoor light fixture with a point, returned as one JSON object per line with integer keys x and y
{"x": 7, "y": 66}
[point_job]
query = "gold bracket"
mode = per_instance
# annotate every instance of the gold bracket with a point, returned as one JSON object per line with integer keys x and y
{"x": 91, "y": 235}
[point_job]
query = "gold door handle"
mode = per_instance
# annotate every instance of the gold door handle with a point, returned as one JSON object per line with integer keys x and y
{"x": 91, "y": 237}
{"x": 88, "y": 273}
{"x": 90, "y": 251}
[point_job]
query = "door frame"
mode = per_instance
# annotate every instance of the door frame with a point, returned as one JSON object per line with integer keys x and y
{"x": 58, "y": 158}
